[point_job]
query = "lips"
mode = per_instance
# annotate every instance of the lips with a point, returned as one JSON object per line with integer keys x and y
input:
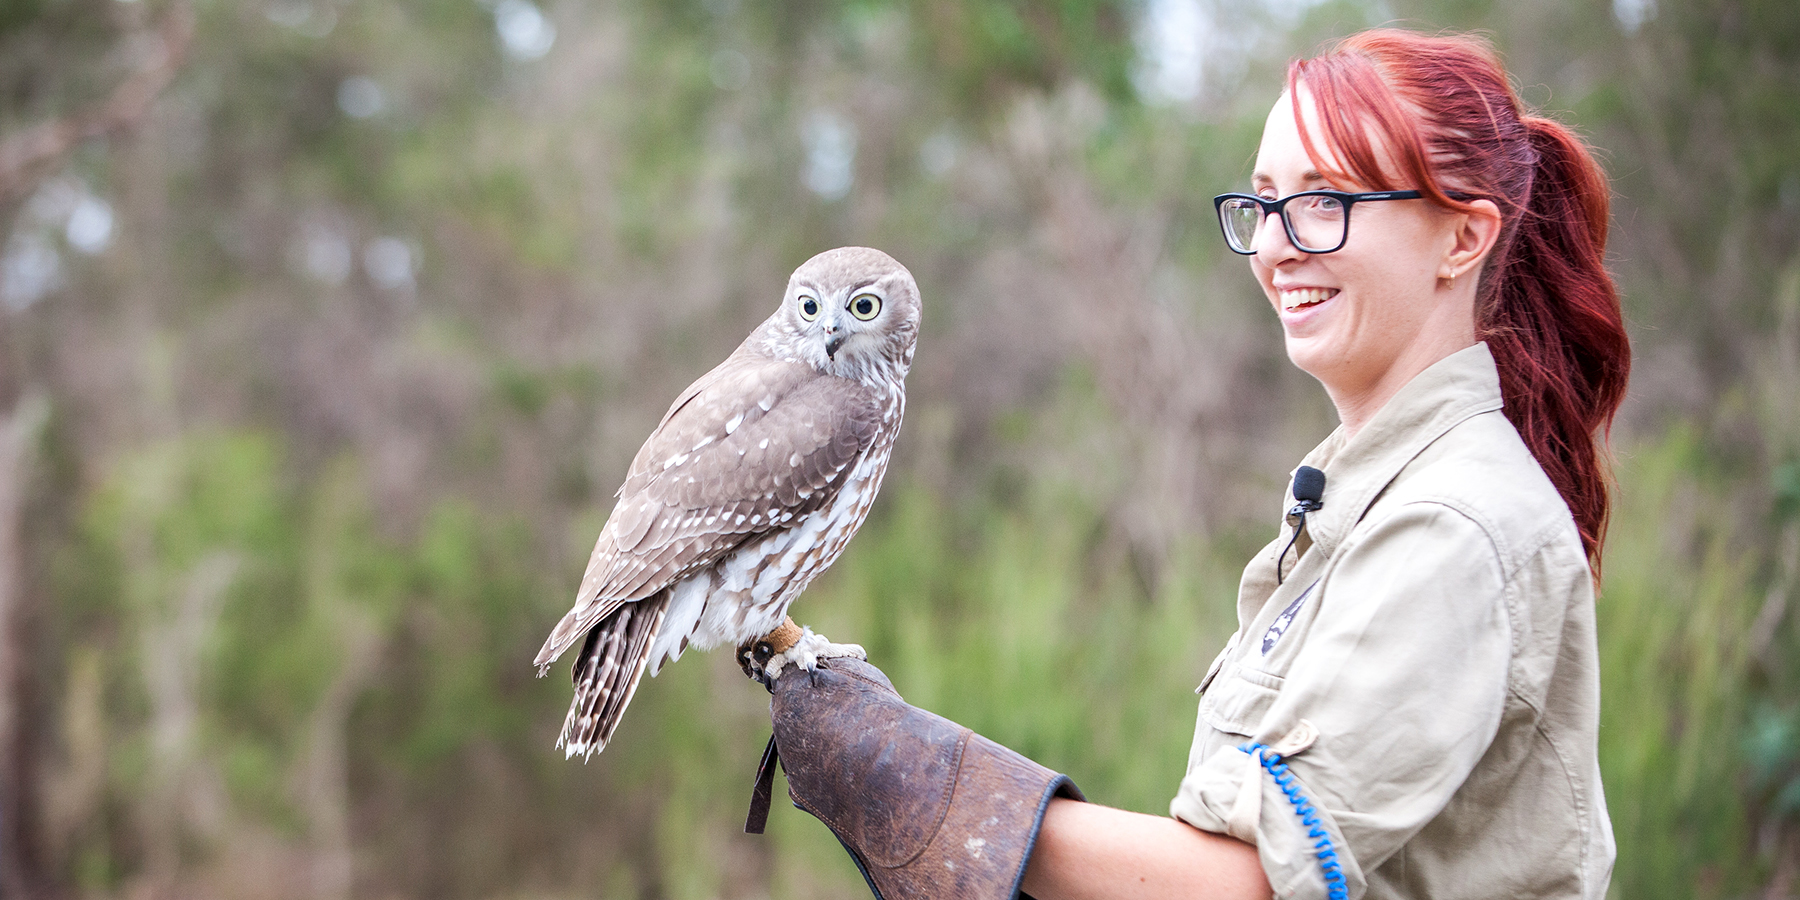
{"x": 1300, "y": 298}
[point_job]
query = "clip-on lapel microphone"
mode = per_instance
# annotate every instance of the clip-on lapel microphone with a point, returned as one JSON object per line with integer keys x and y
{"x": 1309, "y": 495}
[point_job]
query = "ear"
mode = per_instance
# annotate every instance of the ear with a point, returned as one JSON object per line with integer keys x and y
{"x": 1473, "y": 237}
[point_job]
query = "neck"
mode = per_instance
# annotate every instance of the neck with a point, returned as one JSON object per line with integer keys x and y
{"x": 1357, "y": 404}
{"x": 880, "y": 374}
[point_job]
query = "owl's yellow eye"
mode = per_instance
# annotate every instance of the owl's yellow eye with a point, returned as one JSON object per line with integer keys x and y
{"x": 809, "y": 308}
{"x": 865, "y": 306}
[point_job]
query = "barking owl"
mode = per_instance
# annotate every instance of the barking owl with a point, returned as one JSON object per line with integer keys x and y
{"x": 755, "y": 480}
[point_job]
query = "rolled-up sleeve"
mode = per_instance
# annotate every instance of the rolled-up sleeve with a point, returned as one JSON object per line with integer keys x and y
{"x": 1402, "y": 670}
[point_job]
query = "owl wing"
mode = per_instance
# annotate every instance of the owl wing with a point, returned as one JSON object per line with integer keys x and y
{"x": 752, "y": 446}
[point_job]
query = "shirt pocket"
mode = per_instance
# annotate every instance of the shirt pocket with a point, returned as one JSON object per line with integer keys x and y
{"x": 1218, "y": 662}
{"x": 1238, "y": 700}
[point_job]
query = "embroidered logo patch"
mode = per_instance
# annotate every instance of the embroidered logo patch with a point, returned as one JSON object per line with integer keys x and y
{"x": 1280, "y": 626}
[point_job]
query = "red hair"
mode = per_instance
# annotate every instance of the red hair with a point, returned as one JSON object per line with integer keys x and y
{"x": 1442, "y": 115}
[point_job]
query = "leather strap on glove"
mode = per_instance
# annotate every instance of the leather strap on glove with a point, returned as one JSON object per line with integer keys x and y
{"x": 926, "y": 807}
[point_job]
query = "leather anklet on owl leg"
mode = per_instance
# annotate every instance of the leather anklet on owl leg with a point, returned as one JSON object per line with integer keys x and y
{"x": 753, "y": 655}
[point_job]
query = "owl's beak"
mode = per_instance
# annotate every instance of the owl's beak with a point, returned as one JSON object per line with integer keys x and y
{"x": 833, "y": 343}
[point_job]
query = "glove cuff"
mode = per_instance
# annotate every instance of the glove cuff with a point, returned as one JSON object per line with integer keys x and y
{"x": 984, "y": 839}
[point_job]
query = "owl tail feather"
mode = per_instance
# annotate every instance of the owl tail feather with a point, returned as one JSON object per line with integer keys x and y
{"x": 607, "y": 672}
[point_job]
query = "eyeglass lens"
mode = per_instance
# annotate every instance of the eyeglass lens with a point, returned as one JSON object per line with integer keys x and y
{"x": 1315, "y": 224}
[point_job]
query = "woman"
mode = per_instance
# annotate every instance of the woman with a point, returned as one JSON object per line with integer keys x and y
{"x": 1410, "y": 705}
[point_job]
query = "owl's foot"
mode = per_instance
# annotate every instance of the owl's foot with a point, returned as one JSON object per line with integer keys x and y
{"x": 809, "y": 652}
{"x": 765, "y": 658}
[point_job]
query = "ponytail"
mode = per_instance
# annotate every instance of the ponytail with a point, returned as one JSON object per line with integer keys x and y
{"x": 1550, "y": 315}
{"x": 1442, "y": 112}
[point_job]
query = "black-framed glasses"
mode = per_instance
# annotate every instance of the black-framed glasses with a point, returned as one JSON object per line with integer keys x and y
{"x": 1316, "y": 221}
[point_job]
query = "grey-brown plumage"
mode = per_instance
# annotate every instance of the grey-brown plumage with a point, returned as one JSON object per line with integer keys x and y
{"x": 749, "y": 488}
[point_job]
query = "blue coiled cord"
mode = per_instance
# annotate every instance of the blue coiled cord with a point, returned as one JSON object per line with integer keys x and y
{"x": 1322, "y": 847}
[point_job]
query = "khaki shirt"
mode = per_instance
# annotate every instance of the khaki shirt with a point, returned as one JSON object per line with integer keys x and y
{"x": 1429, "y": 659}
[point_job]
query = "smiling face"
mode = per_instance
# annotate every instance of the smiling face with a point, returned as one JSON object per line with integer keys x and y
{"x": 1367, "y": 318}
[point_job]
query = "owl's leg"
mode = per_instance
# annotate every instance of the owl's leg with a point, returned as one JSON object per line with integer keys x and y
{"x": 764, "y": 658}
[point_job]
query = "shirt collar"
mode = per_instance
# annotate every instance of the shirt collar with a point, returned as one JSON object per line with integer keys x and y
{"x": 1358, "y": 468}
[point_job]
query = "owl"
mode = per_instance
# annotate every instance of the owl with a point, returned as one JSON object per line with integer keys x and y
{"x": 749, "y": 488}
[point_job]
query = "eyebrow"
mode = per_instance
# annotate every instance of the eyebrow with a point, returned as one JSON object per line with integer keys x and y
{"x": 1262, "y": 178}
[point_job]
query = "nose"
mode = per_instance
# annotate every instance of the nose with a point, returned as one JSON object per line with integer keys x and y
{"x": 1273, "y": 247}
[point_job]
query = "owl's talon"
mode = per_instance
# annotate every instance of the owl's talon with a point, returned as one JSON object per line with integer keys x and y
{"x": 809, "y": 652}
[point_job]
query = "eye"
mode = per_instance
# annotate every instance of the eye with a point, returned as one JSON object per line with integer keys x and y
{"x": 809, "y": 308}
{"x": 1321, "y": 205}
{"x": 865, "y": 306}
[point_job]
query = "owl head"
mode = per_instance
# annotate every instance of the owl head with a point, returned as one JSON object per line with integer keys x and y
{"x": 851, "y": 312}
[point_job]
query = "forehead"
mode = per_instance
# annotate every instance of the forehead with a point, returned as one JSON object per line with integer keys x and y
{"x": 1281, "y": 159}
{"x": 847, "y": 264}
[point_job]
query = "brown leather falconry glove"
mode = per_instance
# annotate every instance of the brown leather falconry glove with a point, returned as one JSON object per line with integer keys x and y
{"x": 926, "y": 807}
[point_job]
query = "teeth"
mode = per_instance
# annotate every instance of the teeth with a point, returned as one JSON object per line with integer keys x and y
{"x": 1298, "y": 297}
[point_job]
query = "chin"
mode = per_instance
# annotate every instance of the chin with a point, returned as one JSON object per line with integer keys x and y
{"x": 1309, "y": 356}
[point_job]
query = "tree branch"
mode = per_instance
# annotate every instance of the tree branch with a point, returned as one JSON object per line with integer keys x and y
{"x": 27, "y": 158}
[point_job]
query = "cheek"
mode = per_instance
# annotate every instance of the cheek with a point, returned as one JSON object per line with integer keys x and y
{"x": 1405, "y": 256}
{"x": 1264, "y": 275}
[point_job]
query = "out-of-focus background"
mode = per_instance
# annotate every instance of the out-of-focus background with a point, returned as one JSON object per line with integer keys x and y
{"x": 327, "y": 328}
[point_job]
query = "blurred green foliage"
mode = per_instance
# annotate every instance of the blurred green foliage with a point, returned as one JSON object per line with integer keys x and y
{"x": 1673, "y": 666}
